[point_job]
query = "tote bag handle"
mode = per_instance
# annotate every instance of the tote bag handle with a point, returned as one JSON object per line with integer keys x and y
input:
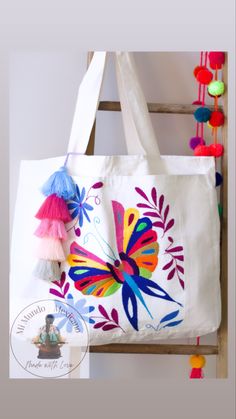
{"x": 139, "y": 133}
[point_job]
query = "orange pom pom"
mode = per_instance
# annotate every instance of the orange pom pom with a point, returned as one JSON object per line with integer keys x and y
{"x": 197, "y": 361}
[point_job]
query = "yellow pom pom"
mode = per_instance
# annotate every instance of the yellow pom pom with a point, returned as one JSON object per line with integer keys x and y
{"x": 197, "y": 361}
{"x": 209, "y": 125}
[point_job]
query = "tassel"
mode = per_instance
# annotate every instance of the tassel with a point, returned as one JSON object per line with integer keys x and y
{"x": 48, "y": 270}
{"x": 51, "y": 228}
{"x": 50, "y": 249}
{"x": 61, "y": 184}
{"x": 197, "y": 362}
{"x": 54, "y": 208}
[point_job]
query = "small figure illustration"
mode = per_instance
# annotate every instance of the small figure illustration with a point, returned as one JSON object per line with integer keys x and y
{"x": 49, "y": 340}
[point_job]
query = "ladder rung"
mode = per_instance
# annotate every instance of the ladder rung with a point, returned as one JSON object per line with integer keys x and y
{"x": 155, "y": 107}
{"x": 155, "y": 349}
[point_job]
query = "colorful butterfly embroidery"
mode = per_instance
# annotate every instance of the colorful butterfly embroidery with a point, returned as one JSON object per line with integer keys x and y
{"x": 138, "y": 257}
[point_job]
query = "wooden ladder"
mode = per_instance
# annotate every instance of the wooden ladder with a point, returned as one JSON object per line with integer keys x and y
{"x": 221, "y": 348}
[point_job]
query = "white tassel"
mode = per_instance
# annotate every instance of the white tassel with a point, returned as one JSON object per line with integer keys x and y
{"x": 48, "y": 270}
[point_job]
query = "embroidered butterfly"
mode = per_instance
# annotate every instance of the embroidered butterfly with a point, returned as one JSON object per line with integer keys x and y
{"x": 138, "y": 257}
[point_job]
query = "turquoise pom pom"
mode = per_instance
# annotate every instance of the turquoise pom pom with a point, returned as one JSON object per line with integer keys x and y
{"x": 61, "y": 184}
{"x": 202, "y": 114}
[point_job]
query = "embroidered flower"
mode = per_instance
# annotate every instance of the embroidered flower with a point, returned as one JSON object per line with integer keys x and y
{"x": 78, "y": 306}
{"x": 79, "y": 207}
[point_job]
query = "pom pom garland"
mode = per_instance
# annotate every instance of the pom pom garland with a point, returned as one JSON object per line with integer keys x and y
{"x": 51, "y": 228}
{"x": 217, "y": 119}
{"x": 195, "y": 141}
{"x": 50, "y": 249}
{"x": 216, "y": 88}
{"x": 47, "y": 270}
{"x": 202, "y": 114}
{"x": 54, "y": 208}
{"x": 61, "y": 184}
{"x": 204, "y": 76}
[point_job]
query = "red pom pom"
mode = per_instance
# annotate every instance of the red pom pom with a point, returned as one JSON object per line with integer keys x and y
{"x": 202, "y": 150}
{"x": 217, "y": 150}
{"x": 217, "y": 57}
{"x": 54, "y": 208}
{"x": 204, "y": 76}
{"x": 197, "y": 69}
{"x": 217, "y": 119}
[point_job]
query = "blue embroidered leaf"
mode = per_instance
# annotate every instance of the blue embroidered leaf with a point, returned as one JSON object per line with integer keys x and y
{"x": 170, "y": 316}
{"x": 72, "y": 205}
{"x": 172, "y": 324}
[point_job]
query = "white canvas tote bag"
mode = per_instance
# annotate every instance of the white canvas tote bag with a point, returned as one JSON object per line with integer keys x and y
{"x": 142, "y": 253}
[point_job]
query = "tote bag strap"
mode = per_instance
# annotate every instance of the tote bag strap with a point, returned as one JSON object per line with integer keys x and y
{"x": 139, "y": 133}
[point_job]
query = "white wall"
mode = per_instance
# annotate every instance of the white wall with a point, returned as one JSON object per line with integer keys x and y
{"x": 43, "y": 90}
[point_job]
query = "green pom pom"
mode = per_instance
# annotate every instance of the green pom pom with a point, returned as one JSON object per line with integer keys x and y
{"x": 220, "y": 210}
{"x": 216, "y": 88}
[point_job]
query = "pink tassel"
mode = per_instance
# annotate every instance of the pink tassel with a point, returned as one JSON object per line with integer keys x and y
{"x": 50, "y": 249}
{"x": 54, "y": 208}
{"x": 51, "y": 228}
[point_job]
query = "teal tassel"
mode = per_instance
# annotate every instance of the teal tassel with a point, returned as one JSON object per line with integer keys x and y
{"x": 48, "y": 270}
{"x": 61, "y": 184}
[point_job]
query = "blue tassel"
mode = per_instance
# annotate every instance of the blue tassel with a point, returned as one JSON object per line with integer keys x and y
{"x": 61, "y": 184}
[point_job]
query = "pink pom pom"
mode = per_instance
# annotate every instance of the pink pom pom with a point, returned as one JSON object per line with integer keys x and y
{"x": 54, "y": 208}
{"x": 51, "y": 228}
{"x": 50, "y": 249}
